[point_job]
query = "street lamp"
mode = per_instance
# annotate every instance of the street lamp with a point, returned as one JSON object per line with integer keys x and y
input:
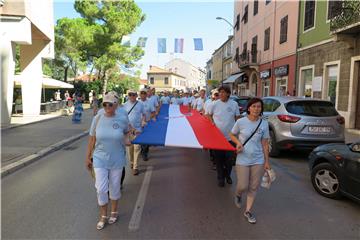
{"x": 220, "y": 18}
{"x": 222, "y": 57}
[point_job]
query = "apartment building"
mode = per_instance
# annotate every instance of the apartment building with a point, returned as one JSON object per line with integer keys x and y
{"x": 265, "y": 40}
{"x": 29, "y": 25}
{"x": 164, "y": 80}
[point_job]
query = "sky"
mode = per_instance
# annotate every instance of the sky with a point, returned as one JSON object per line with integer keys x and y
{"x": 180, "y": 19}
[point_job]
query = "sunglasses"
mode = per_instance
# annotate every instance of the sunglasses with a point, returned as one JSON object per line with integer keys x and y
{"x": 132, "y": 94}
{"x": 108, "y": 104}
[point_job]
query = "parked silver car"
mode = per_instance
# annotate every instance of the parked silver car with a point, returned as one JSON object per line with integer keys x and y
{"x": 302, "y": 123}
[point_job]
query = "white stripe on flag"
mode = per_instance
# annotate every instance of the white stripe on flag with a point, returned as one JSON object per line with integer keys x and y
{"x": 179, "y": 131}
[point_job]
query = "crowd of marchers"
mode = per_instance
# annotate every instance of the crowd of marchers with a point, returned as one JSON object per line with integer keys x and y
{"x": 115, "y": 125}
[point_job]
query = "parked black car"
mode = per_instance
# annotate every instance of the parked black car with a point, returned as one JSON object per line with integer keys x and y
{"x": 335, "y": 170}
{"x": 242, "y": 101}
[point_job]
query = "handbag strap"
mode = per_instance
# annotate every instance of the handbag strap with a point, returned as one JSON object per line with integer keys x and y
{"x": 253, "y": 132}
{"x": 132, "y": 107}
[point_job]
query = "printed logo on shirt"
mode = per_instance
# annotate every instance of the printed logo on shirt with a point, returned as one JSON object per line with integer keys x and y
{"x": 116, "y": 126}
{"x": 229, "y": 109}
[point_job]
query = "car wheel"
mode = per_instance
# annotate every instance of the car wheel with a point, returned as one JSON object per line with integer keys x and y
{"x": 273, "y": 149}
{"x": 326, "y": 181}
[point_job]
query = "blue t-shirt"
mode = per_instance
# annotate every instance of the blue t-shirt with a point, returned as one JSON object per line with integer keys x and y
{"x": 109, "y": 149}
{"x": 165, "y": 99}
{"x": 136, "y": 114}
{"x": 149, "y": 108}
{"x": 253, "y": 151}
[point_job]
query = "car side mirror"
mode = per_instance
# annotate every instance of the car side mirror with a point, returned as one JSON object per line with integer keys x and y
{"x": 355, "y": 147}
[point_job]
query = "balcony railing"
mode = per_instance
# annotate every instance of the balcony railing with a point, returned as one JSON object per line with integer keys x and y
{"x": 249, "y": 58}
{"x": 348, "y": 17}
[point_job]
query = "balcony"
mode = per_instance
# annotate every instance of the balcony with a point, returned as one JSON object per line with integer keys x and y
{"x": 249, "y": 59}
{"x": 347, "y": 21}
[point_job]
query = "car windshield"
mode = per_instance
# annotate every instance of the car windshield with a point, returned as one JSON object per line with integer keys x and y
{"x": 312, "y": 108}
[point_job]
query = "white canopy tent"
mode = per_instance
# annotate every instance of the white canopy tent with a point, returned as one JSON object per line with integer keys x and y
{"x": 47, "y": 82}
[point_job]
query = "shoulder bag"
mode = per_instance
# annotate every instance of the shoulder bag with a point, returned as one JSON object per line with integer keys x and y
{"x": 253, "y": 132}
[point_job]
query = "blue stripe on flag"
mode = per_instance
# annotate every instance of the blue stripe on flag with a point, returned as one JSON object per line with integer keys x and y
{"x": 154, "y": 133}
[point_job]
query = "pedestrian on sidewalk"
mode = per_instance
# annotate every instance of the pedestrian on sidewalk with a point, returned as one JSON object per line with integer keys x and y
{"x": 108, "y": 136}
{"x": 136, "y": 112}
{"x": 150, "y": 112}
{"x": 78, "y": 109}
{"x": 223, "y": 113}
{"x": 251, "y": 136}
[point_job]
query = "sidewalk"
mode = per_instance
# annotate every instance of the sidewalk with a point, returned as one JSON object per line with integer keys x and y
{"x": 352, "y": 135}
{"x": 23, "y": 141}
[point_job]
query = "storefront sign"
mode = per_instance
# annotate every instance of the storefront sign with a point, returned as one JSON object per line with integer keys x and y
{"x": 265, "y": 74}
{"x": 317, "y": 84}
{"x": 281, "y": 71}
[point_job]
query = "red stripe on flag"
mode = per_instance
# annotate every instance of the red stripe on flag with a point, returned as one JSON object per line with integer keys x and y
{"x": 208, "y": 135}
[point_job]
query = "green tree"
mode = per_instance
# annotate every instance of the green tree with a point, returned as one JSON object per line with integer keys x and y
{"x": 109, "y": 22}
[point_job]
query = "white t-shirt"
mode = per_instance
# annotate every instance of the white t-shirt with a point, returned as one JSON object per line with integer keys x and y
{"x": 253, "y": 151}
{"x": 165, "y": 99}
{"x": 175, "y": 101}
{"x": 149, "y": 108}
{"x": 207, "y": 105}
{"x": 200, "y": 103}
{"x": 185, "y": 101}
{"x": 154, "y": 100}
{"x": 136, "y": 114}
{"x": 224, "y": 114}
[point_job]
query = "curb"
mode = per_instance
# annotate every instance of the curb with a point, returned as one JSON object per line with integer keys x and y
{"x": 25, "y": 124}
{"x": 42, "y": 153}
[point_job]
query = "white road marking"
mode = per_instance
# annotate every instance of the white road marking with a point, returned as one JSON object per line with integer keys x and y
{"x": 134, "y": 223}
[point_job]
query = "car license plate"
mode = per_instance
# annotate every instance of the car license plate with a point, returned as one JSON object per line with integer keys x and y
{"x": 320, "y": 129}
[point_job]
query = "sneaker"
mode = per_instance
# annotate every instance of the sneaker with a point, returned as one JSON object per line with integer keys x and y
{"x": 228, "y": 180}
{"x": 237, "y": 201}
{"x": 135, "y": 172}
{"x": 250, "y": 217}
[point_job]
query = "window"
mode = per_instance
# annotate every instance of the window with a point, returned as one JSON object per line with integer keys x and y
{"x": 283, "y": 29}
{"x": 267, "y": 39}
{"x": 306, "y": 82}
{"x": 311, "y": 108}
{"x": 166, "y": 81}
{"x": 256, "y": 7}
{"x": 281, "y": 87}
{"x": 245, "y": 16}
{"x": 237, "y": 22}
{"x": 237, "y": 55}
{"x": 267, "y": 2}
{"x": 244, "y": 53}
{"x": 151, "y": 80}
{"x": 334, "y": 9}
{"x": 309, "y": 14}
{"x": 266, "y": 88}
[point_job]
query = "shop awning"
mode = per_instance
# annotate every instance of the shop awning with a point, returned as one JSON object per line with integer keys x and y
{"x": 233, "y": 78}
{"x": 46, "y": 82}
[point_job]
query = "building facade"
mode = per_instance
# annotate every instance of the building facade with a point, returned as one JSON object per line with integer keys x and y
{"x": 265, "y": 46}
{"x": 194, "y": 76}
{"x": 164, "y": 80}
{"x": 329, "y": 55}
{"x": 29, "y": 25}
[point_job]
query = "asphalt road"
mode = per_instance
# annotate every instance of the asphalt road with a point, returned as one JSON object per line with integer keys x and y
{"x": 55, "y": 198}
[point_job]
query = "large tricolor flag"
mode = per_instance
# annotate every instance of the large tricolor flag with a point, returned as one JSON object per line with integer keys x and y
{"x": 177, "y": 127}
